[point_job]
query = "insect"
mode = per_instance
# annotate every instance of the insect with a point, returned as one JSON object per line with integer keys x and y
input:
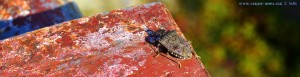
{"x": 170, "y": 42}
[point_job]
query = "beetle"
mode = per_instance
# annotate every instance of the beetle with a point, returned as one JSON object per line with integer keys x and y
{"x": 170, "y": 42}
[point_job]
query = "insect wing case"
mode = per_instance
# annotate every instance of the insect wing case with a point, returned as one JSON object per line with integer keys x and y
{"x": 176, "y": 45}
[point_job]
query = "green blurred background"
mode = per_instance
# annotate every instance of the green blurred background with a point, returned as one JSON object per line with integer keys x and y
{"x": 232, "y": 40}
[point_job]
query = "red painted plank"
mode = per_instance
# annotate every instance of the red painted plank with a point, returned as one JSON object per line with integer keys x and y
{"x": 109, "y": 44}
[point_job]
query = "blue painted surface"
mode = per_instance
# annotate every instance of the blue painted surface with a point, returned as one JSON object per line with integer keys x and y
{"x": 17, "y": 26}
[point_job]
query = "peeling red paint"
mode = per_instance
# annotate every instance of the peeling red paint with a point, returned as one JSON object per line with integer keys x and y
{"x": 111, "y": 44}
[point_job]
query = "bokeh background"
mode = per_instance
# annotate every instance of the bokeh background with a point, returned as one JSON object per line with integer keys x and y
{"x": 232, "y": 40}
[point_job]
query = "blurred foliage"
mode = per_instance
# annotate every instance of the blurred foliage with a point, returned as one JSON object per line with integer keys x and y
{"x": 232, "y": 40}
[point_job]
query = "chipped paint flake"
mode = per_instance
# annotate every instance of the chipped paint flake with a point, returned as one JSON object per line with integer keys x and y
{"x": 83, "y": 20}
{"x": 114, "y": 67}
{"x": 24, "y": 13}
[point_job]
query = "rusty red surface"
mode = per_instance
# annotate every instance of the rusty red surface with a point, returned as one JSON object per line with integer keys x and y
{"x": 108, "y": 44}
{"x": 18, "y": 8}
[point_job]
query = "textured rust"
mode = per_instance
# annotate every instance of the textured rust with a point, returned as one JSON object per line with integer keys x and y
{"x": 17, "y": 8}
{"x": 108, "y": 44}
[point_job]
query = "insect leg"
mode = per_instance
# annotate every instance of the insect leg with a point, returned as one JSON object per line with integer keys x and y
{"x": 197, "y": 57}
{"x": 157, "y": 53}
{"x": 154, "y": 50}
{"x": 179, "y": 64}
{"x": 194, "y": 52}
